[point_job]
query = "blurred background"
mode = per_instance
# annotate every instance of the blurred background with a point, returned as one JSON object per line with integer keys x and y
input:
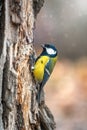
{"x": 64, "y": 23}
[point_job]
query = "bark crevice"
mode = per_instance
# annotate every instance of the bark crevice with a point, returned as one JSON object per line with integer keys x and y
{"x": 2, "y": 24}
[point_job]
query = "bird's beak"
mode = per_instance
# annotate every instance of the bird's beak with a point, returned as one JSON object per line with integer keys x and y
{"x": 42, "y": 45}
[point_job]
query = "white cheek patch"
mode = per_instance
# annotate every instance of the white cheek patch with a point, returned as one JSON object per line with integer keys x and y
{"x": 50, "y": 51}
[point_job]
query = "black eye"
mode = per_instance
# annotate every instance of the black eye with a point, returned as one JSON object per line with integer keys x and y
{"x": 47, "y": 45}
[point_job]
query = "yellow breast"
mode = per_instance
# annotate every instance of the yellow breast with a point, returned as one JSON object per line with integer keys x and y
{"x": 39, "y": 68}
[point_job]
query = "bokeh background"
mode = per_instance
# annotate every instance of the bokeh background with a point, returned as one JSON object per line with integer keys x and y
{"x": 64, "y": 23}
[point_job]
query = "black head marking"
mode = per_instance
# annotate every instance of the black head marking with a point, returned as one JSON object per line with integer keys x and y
{"x": 50, "y": 50}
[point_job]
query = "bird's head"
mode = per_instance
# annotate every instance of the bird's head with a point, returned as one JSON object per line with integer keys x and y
{"x": 50, "y": 50}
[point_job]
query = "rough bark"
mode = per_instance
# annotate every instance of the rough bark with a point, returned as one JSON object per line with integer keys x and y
{"x": 19, "y": 109}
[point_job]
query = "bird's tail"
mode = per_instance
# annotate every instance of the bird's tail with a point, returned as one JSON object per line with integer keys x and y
{"x": 38, "y": 97}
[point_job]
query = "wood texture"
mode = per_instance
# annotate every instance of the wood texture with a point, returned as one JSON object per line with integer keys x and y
{"x": 19, "y": 109}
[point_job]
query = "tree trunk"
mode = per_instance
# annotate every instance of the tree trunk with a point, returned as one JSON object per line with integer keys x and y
{"x": 19, "y": 109}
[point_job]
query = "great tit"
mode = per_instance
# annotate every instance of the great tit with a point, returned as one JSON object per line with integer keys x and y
{"x": 44, "y": 65}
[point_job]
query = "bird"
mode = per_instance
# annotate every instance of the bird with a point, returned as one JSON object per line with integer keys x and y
{"x": 44, "y": 65}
